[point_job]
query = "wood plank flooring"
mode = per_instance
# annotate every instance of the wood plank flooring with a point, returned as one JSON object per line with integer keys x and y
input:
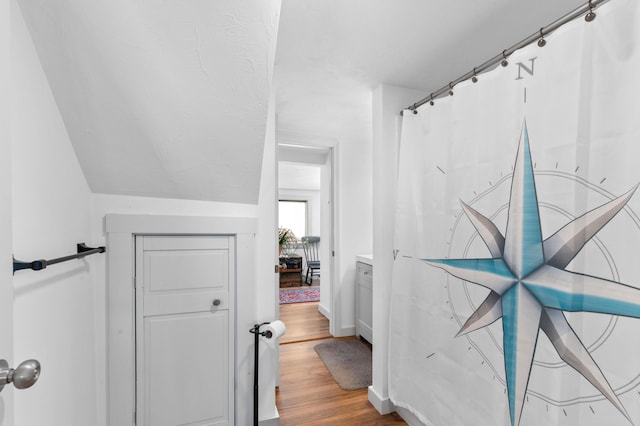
{"x": 303, "y": 322}
{"x": 308, "y": 395}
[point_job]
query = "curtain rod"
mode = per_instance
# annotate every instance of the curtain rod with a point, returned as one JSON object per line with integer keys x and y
{"x": 538, "y": 35}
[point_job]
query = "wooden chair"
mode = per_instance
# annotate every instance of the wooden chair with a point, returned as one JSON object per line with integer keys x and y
{"x": 312, "y": 257}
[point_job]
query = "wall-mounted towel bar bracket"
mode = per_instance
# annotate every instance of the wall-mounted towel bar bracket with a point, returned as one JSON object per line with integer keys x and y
{"x": 36, "y": 265}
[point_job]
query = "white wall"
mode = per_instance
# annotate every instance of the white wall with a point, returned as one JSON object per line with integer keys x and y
{"x": 60, "y": 312}
{"x": 267, "y": 299}
{"x": 102, "y": 204}
{"x": 388, "y": 101}
{"x": 6, "y": 288}
{"x": 53, "y": 309}
{"x": 355, "y": 221}
{"x": 293, "y": 175}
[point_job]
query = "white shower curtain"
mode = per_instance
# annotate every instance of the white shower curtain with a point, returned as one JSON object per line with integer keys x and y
{"x": 516, "y": 284}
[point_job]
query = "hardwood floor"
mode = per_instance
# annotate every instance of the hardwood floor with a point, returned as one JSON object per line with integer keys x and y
{"x": 303, "y": 322}
{"x": 308, "y": 395}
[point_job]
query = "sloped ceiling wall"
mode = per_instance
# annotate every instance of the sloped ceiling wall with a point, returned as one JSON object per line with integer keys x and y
{"x": 161, "y": 98}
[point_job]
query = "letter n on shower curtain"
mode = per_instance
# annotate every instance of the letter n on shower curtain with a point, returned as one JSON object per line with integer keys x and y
{"x": 516, "y": 287}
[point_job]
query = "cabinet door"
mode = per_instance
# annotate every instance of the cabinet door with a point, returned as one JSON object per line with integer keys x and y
{"x": 364, "y": 301}
{"x": 183, "y": 339}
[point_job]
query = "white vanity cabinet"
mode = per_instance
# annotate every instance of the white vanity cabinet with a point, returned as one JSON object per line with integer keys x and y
{"x": 364, "y": 297}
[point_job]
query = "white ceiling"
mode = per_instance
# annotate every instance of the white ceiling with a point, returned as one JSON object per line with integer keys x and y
{"x": 169, "y": 98}
{"x": 332, "y": 53}
{"x": 161, "y": 98}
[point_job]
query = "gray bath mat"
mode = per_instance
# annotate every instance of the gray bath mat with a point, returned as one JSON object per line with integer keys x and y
{"x": 348, "y": 361}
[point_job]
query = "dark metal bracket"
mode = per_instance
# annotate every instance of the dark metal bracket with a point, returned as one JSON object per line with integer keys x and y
{"x": 37, "y": 265}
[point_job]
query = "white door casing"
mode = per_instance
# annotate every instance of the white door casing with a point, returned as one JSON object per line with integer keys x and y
{"x": 121, "y": 230}
{"x": 304, "y": 149}
{"x": 184, "y": 330}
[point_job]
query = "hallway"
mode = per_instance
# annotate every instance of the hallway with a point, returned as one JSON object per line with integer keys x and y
{"x": 308, "y": 395}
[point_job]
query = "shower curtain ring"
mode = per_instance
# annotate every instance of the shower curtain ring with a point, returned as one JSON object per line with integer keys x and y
{"x": 415, "y": 110}
{"x": 542, "y": 41}
{"x": 451, "y": 88}
{"x": 475, "y": 77}
{"x": 431, "y": 101}
{"x": 504, "y": 62}
{"x": 591, "y": 15}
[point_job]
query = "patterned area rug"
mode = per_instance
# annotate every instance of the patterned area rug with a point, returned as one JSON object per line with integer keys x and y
{"x": 298, "y": 295}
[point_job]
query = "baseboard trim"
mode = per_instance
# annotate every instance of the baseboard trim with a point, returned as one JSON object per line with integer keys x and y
{"x": 408, "y": 417}
{"x": 383, "y": 405}
{"x": 324, "y": 311}
{"x": 273, "y": 421}
{"x": 346, "y": 331}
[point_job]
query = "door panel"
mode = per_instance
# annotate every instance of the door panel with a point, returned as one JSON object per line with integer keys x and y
{"x": 184, "y": 347}
{"x": 177, "y": 390}
{"x": 185, "y": 280}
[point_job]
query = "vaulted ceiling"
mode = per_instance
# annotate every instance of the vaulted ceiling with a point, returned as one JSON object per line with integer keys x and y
{"x": 170, "y": 98}
{"x": 161, "y": 98}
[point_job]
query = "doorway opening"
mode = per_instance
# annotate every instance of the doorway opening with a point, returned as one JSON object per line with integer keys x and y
{"x": 295, "y": 229}
{"x": 306, "y": 209}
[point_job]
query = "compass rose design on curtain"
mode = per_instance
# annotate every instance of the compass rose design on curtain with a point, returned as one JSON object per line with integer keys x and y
{"x": 530, "y": 287}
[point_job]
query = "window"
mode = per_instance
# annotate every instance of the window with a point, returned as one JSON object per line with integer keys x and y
{"x": 293, "y": 215}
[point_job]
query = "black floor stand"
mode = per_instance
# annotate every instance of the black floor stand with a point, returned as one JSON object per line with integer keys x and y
{"x": 257, "y": 333}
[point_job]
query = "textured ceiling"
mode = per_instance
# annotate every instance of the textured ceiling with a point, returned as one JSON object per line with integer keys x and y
{"x": 332, "y": 53}
{"x": 169, "y": 98}
{"x": 161, "y": 98}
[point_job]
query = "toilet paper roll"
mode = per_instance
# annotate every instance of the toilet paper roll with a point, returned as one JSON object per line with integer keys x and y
{"x": 274, "y": 330}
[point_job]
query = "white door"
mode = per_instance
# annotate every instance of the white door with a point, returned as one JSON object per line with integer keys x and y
{"x": 6, "y": 284}
{"x": 184, "y": 318}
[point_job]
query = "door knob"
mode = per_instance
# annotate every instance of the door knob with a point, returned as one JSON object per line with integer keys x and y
{"x": 217, "y": 302}
{"x": 24, "y": 376}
